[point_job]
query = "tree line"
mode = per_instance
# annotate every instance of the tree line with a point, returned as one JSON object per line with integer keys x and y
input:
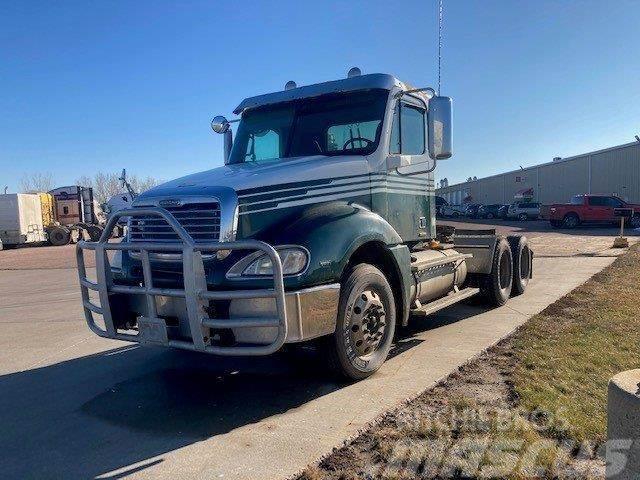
{"x": 104, "y": 184}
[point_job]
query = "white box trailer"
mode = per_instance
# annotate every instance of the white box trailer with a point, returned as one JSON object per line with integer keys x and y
{"x": 21, "y": 219}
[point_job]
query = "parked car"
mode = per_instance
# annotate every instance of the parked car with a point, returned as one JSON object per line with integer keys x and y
{"x": 472, "y": 210}
{"x": 524, "y": 210}
{"x": 490, "y": 211}
{"x": 589, "y": 209}
{"x": 503, "y": 212}
{"x": 440, "y": 203}
{"x": 454, "y": 211}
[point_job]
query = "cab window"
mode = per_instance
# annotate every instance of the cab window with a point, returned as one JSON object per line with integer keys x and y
{"x": 351, "y": 135}
{"x": 408, "y": 130}
{"x": 264, "y": 145}
{"x": 614, "y": 202}
{"x": 598, "y": 201}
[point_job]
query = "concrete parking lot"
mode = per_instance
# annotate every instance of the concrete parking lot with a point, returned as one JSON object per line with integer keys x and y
{"x": 73, "y": 405}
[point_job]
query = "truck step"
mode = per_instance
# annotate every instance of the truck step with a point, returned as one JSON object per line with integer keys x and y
{"x": 443, "y": 302}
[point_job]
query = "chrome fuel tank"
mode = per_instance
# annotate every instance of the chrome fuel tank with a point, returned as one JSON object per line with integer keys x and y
{"x": 436, "y": 273}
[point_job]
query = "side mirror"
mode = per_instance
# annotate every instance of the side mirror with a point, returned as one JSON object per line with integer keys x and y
{"x": 219, "y": 124}
{"x": 440, "y": 129}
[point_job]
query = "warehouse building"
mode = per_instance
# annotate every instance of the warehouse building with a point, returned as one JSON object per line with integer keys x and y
{"x": 614, "y": 170}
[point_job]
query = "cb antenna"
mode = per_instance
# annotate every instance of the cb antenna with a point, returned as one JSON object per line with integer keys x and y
{"x": 439, "y": 43}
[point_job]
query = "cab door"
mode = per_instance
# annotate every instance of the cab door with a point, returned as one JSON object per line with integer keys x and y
{"x": 409, "y": 190}
{"x": 598, "y": 210}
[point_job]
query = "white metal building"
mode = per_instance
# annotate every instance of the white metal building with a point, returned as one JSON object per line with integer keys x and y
{"x": 614, "y": 170}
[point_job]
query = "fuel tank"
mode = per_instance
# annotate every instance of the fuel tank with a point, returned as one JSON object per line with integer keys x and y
{"x": 436, "y": 273}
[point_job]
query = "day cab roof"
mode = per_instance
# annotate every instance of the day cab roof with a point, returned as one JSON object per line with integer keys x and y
{"x": 362, "y": 82}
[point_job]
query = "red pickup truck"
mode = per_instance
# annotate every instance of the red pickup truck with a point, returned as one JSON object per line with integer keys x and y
{"x": 588, "y": 209}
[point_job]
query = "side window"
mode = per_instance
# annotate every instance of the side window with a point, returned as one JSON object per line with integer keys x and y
{"x": 263, "y": 145}
{"x": 598, "y": 201}
{"x": 614, "y": 202}
{"x": 352, "y": 135}
{"x": 65, "y": 210}
{"x": 407, "y": 132}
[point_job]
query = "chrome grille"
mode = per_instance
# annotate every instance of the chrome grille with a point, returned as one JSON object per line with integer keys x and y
{"x": 200, "y": 220}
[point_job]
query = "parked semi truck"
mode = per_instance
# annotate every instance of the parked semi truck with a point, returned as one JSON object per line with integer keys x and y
{"x": 60, "y": 216}
{"x": 76, "y": 213}
{"x": 319, "y": 227}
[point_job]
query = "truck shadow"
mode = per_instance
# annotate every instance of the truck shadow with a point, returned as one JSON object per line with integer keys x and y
{"x": 121, "y": 409}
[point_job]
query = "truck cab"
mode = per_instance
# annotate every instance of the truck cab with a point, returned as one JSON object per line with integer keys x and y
{"x": 319, "y": 227}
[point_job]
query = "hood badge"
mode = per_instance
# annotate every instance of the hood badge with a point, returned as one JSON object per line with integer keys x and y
{"x": 170, "y": 203}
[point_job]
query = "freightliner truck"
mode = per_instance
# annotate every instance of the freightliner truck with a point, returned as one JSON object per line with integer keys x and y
{"x": 319, "y": 227}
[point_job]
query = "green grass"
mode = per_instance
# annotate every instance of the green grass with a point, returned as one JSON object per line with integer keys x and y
{"x": 567, "y": 353}
{"x": 548, "y": 381}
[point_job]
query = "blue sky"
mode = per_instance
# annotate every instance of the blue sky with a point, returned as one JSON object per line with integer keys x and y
{"x": 89, "y": 86}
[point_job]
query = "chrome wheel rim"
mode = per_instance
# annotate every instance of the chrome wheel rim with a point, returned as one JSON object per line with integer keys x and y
{"x": 368, "y": 323}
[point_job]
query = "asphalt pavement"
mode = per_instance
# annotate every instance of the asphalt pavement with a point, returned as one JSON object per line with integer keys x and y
{"x": 73, "y": 405}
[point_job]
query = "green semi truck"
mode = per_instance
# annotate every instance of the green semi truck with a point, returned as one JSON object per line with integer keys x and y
{"x": 319, "y": 227}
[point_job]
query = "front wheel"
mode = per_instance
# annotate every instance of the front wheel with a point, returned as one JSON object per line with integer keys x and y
{"x": 365, "y": 325}
{"x": 570, "y": 220}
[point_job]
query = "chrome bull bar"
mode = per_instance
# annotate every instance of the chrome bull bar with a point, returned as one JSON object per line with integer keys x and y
{"x": 195, "y": 292}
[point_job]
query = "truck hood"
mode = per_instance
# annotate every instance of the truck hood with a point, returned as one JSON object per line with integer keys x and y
{"x": 252, "y": 175}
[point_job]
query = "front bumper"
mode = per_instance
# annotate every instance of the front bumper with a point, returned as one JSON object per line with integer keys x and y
{"x": 196, "y": 318}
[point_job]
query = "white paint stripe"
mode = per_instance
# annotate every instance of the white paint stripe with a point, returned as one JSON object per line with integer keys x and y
{"x": 339, "y": 189}
{"x": 363, "y": 178}
{"x": 338, "y": 196}
{"x": 345, "y": 181}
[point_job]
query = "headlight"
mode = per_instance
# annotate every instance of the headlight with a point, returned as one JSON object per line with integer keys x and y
{"x": 258, "y": 264}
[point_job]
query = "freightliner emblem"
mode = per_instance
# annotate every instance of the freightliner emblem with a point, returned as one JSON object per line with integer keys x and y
{"x": 170, "y": 203}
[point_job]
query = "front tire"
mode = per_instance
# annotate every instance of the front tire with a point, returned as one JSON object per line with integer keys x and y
{"x": 365, "y": 325}
{"x": 570, "y": 220}
{"x": 496, "y": 286}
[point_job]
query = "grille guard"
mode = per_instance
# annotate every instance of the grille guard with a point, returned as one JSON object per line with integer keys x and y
{"x": 195, "y": 290}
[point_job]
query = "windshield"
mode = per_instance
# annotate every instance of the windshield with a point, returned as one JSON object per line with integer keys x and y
{"x": 340, "y": 124}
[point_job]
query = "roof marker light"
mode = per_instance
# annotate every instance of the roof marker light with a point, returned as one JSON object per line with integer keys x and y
{"x": 354, "y": 72}
{"x": 290, "y": 85}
